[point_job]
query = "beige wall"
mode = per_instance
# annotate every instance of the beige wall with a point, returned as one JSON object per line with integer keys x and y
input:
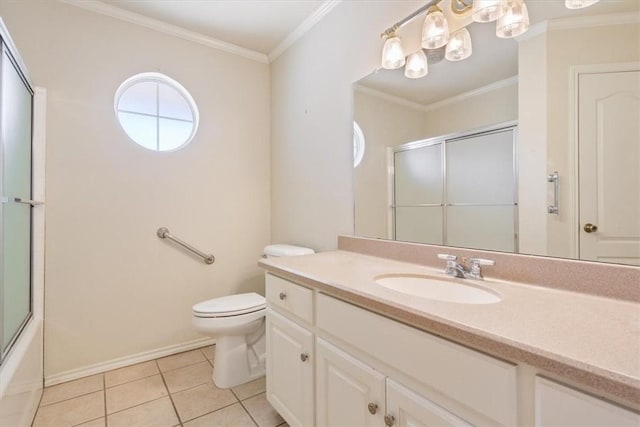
{"x": 493, "y": 107}
{"x": 113, "y": 289}
{"x": 312, "y": 130}
{"x": 532, "y": 147}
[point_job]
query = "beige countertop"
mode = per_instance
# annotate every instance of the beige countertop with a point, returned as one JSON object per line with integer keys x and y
{"x": 592, "y": 340}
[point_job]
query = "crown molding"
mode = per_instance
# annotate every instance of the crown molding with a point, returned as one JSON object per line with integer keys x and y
{"x": 173, "y": 30}
{"x": 510, "y": 81}
{"x": 303, "y": 28}
{"x": 389, "y": 98}
{"x": 622, "y": 18}
{"x": 575, "y": 22}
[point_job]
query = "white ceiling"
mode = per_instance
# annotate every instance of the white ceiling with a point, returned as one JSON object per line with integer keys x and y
{"x": 258, "y": 25}
{"x": 493, "y": 59}
{"x": 264, "y": 28}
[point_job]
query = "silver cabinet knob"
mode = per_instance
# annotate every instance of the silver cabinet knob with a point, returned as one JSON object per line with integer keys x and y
{"x": 304, "y": 357}
{"x": 389, "y": 420}
{"x": 283, "y": 296}
{"x": 373, "y": 408}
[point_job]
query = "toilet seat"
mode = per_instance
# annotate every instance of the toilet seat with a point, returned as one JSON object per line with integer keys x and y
{"x": 229, "y": 306}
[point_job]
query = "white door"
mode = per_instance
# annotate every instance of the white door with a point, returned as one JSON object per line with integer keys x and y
{"x": 350, "y": 393}
{"x": 609, "y": 172}
{"x": 290, "y": 370}
{"x": 406, "y": 408}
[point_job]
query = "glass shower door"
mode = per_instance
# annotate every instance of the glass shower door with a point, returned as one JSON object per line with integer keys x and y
{"x": 16, "y": 104}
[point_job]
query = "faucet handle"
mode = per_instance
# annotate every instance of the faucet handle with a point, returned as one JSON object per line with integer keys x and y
{"x": 447, "y": 257}
{"x": 480, "y": 261}
{"x": 476, "y": 272}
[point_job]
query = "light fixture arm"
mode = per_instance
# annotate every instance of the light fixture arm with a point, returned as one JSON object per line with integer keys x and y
{"x": 401, "y": 23}
{"x": 460, "y": 7}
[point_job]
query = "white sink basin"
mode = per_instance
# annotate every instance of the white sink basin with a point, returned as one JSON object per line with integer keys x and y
{"x": 435, "y": 288}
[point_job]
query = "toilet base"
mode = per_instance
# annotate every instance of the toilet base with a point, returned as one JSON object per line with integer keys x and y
{"x": 239, "y": 359}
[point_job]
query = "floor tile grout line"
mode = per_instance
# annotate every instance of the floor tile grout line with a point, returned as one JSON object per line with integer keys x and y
{"x": 249, "y": 413}
{"x": 88, "y": 421}
{"x": 211, "y": 412}
{"x": 169, "y": 393}
{"x": 135, "y": 406}
{"x": 185, "y": 366}
{"x": 40, "y": 405}
{"x": 104, "y": 384}
{"x": 71, "y": 398}
{"x": 130, "y": 381}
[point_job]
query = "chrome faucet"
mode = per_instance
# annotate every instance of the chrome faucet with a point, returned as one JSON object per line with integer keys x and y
{"x": 456, "y": 269}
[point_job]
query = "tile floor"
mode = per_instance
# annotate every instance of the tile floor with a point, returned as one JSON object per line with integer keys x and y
{"x": 171, "y": 391}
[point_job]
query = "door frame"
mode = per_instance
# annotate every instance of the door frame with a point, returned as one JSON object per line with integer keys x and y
{"x": 574, "y": 98}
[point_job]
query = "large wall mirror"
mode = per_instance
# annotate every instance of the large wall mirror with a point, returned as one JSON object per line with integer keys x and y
{"x": 531, "y": 145}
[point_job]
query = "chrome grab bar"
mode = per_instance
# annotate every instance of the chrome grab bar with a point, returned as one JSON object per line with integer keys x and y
{"x": 554, "y": 178}
{"x": 163, "y": 233}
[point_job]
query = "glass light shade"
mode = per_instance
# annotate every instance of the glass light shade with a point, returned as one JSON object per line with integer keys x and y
{"x": 459, "y": 46}
{"x": 579, "y": 4}
{"x": 435, "y": 30}
{"x": 416, "y": 65}
{"x": 515, "y": 20}
{"x": 487, "y": 10}
{"x": 392, "y": 53}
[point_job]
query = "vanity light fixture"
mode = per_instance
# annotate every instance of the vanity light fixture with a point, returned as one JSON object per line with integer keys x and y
{"x": 579, "y": 4}
{"x": 487, "y": 10}
{"x": 435, "y": 30}
{"x": 459, "y": 46}
{"x": 393, "y": 53}
{"x": 514, "y": 21}
{"x": 416, "y": 65}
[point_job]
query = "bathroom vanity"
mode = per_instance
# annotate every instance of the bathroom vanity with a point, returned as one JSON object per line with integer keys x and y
{"x": 342, "y": 349}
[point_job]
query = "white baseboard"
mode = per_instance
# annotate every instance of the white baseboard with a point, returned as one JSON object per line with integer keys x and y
{"x": 120, "y": 362}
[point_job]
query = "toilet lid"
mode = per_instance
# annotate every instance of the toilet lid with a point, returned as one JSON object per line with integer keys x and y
{"x": 231, "y": 305}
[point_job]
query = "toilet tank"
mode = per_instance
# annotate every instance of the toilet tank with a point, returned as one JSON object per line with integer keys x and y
{"x": 273, "y": 251}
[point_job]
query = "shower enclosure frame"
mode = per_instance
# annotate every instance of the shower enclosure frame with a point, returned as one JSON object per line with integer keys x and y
{"x": 22, "y": 370}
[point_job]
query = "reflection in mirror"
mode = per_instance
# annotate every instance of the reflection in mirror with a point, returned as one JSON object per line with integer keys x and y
{"x": 461, "y": 156}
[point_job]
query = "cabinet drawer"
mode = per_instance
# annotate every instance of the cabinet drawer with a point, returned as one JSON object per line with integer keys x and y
{"x": 558, "y": 405}
{"x": 477, "y": 381}
{"x": 290, "y": 297}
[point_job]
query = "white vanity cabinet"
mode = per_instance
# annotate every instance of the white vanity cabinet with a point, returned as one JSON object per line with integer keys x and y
{"x": 290, "y": 355}
{"x": 558, "y": 405}
{"x": 331, "y": 363}
{"x": 474, "y": 386}
{"x": 349, "y": 392}
{"x": 406, "y": 408}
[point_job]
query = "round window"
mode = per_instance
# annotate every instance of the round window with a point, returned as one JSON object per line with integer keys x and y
{"x": 358, "y": 145}
{"x": 156, "y": 112}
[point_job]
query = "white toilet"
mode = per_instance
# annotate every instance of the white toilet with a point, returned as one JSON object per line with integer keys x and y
{"x": 237, "y": 322}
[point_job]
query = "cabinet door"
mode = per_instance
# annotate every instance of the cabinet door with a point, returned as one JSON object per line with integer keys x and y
{"x": 349, "y": 392}
{"x": 557, "y": 405}
{"x": 405, "y": 408}
{"x": 290, "y": 369}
